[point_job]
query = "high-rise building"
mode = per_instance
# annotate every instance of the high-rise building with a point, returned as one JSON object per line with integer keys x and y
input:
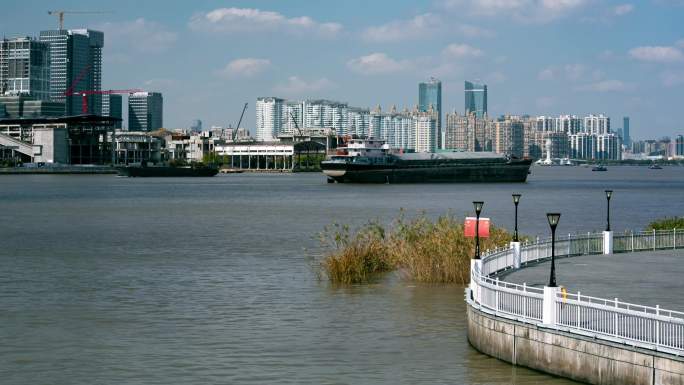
{"x": 269, "y": 118}
{"x": 326, "y": 114}
{"x": 608, "y": 147}
{"x": 425, "y": 128}
{"x": 468, "y": 132}
{"x": 625, "y": 131}
{"x": 476, "y": 99}
{"x": 597, "y": 124}
{"x": 430, "y": 95}
{"x": 569, "y": 124}
{"x": 509, "y": 136}
{"x": 112, "y": 105}
{"x": 75, "y": 65}
{"x": 293, "y": 117}
{"x": 679, "y": 145}
{"x": 358, "y": 121}
{"x": 582, "y": 146}
{"x": 396, "y": 128}
{"x": 145, "y": 111}
{"x": 25, "y": 68}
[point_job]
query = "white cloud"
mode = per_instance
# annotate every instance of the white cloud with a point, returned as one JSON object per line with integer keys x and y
{"x": 660, "y": 54}
{"x": 548, "y": 73}
{"x": 231, "y": 20}
{"x": 141, "y": 35}
{"x": 680, "y": 43}
{"x": 522, "y": 10}
{"x": 672, "y": 79}
{"x": 400, "y": 30}
{"x": 623, "y": 9}
{"x": 420, "y": 27}
{"x": 378, "y": 63}
{"x": 296, "y": 85}
{"x": 606, "y": 86}
{"x": 574, "y": 71}
{"x": 474, "y": 31}
{"x": 244, "y": 67}
{"x": 461, "y": 51}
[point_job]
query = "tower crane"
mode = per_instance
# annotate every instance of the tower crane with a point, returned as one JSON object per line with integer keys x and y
{"x": 239, "y": 122}
{"x": 60, "y": 14}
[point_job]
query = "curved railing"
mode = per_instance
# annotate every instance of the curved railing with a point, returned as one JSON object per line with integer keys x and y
{"x": 608, "y": 319}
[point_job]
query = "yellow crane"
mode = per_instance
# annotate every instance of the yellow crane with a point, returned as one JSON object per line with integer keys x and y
{"x": 60, "y": 14}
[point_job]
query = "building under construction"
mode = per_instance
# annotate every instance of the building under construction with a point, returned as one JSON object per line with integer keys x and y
{"x": 82, "y": 139}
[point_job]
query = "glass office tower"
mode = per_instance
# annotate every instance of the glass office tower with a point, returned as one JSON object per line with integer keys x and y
{"x": 75, "y": 60}
{"x": 475, "y": 99}
{"x": 430, "y": 94}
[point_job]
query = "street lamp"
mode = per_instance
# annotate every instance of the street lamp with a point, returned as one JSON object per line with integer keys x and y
{"x": 609, "y": 193}
{"x": 553, "y": 222}
{"x": 478, "y": 209}
{"x": 516, "y": 200}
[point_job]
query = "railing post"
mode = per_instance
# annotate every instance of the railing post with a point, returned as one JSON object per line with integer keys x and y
{"x": 654, "y": 240}
{"x": 632, "y": 241}
{"x": 475, "y": 265}
{"x": 496, "y": 303}
{"x": 515, "y": 248}
{"x": 607, "y": 242}
{"x": 657, "y": 326}
{"x": 616, "y": 318}
{"x": 549, "y": 316}
{"x": 579, "y": 313}
{"x": 674, "y": 238}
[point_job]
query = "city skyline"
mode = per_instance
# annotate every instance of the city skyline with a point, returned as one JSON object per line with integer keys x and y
{"x": 209, "y": 58}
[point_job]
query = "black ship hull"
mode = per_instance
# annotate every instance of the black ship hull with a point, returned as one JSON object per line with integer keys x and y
{"x": 162, "y": 171}
{"x": 514, "y": 171}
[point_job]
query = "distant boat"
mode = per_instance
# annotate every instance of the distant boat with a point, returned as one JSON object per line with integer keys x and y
{"x": 655, "y": 167}
{"x": 599, "y": 167}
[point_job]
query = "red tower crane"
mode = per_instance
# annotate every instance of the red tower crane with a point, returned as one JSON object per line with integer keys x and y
{"x": 84, "y": 94}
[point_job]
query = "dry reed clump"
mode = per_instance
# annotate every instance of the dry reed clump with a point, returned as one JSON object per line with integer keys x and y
{"x": 355, "y": 258}
{"x": 423, "y": 250}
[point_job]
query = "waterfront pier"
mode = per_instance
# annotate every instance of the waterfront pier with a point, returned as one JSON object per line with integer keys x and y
{"x": 596, "y": 329}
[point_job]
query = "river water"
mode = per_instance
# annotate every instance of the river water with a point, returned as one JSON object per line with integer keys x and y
{"x": 109, "y": 280}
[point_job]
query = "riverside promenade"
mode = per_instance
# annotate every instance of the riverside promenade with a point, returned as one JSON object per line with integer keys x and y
{"x": 614, "y": 318}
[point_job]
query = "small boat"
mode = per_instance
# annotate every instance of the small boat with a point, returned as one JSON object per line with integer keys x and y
{"x": 655, "y": 167}
{"x": 599, "y": 167}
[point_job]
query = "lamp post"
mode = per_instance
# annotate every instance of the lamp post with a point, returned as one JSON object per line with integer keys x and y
{"x": 516, "y": 200}
{"x": 553, "y": 222}
{"x": 609, "y": 193}
{"x": 478, "y": 209}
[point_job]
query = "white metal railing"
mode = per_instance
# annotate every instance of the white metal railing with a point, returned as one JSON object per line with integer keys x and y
{"x": 648, "y": 240}
{"x": 610, "y": 319}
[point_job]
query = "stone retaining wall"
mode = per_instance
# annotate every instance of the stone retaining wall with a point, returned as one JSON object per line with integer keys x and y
{"x": 577, "y": 357}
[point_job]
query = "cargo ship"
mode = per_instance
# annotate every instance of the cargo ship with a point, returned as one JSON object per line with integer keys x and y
{"x": 167, "y": 171}
{"x": 370, "y": 161}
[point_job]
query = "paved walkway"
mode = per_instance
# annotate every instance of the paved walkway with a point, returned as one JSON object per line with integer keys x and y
{"x": 646, "y": 278}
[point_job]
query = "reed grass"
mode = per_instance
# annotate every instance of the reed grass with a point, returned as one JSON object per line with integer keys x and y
{"x": 420, "y": 249}
{"x": 667, "y": 224}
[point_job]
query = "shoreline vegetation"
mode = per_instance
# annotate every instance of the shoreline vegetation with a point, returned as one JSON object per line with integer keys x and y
{"x": 667, "y": 223}
{"x": 418, "y": 249}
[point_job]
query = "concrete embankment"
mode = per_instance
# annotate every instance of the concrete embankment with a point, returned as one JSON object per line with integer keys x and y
{"x": 58, "y": 170}
{"x": 573, "y": 356}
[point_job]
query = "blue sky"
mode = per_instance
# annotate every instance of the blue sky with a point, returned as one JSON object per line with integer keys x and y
{"x": 537, "y": 56}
